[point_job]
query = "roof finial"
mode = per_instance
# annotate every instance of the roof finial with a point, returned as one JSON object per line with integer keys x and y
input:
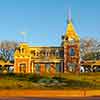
{"x": 69, "y": 14}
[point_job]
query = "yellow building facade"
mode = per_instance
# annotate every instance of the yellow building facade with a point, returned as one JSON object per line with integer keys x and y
{"x": 38, "y": 59}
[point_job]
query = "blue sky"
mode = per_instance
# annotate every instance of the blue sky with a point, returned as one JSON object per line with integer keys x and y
{"x": 45, "y": 21}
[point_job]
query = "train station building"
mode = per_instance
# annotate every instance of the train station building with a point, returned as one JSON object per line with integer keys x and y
{"x": 42, "y": 59}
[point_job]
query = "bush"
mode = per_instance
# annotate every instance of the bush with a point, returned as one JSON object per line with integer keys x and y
{"x": 34, "y": 77}
{"x": 44, "y": 80}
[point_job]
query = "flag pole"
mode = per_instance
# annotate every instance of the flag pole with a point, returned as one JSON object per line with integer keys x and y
{"x": 23, "y": 34}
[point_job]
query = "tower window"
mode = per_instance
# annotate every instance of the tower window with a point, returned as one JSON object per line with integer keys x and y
{"x": 71, "y": 52}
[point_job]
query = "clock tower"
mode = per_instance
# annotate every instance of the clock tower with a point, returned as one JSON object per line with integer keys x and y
{"x": 71, "y": 48}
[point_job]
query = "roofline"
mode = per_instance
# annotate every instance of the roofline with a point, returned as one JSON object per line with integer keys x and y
{"x": 45, "y": 47}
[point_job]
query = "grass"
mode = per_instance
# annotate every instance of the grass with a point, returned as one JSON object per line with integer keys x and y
{"x": 59, "y": 81}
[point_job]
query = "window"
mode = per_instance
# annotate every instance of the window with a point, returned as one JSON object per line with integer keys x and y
{"x": 62, "y": 53}
{"x": 22, "y": 50}
{"x": 47, "y": 68}
{"x": 33, "y": 52}
{"x": 37, "y": 66}
{"x": 72, "y": 41}
{"x": 37, "y": 54}
{"x": 58, "y": 67}
{"x": 52, "y": 52}
{"x": 44, "y": 53}
{"x": 47, "y": 53}
{"x": 57, "y": 52}
{"x": 18, "y": 49}
{"x": 71, "y": 52}
{"x": 22, "y": 68}
{"x": 71, "y": 67}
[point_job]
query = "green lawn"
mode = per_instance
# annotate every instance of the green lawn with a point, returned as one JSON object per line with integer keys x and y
{"x": 60, "y": 81}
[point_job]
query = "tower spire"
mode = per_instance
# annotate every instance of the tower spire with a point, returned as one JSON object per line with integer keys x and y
{"x": 70, "y": 31}
{"x": 69, "y": 15}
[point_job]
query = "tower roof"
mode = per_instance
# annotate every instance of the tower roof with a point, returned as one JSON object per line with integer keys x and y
{"x": 70, "y": 31}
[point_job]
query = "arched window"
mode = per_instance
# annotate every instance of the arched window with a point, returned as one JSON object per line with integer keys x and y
{"x": 38, "y": 54}
{"x": 33, "y": 52}
{"x": 22, "y": 68}
{"x": 52, "y": 52}
{"x": 71, "y": 52}
{"x": 23, "y": 50}
{"x": 43, "y": 53}
{"x": 18, "y": 49}
{"x": 57, "y": 52}
{"x": 47, "y": 53}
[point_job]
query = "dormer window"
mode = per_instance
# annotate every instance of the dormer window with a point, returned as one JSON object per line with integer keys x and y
{"x": 66, "y": 38}
{"x": 23, "y": 50}
{"x": 33, "y": 52}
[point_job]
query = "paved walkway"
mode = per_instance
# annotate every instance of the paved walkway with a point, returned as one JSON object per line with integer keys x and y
{"x": 49, "y": 93}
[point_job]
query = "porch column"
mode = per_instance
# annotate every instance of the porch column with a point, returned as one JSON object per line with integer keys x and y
{"x": 52, "y": 69}
{"x": 33, "y": 67}
{"x": 42, "y": 69}
{"x": 29, "y": 69}
{"x": 62, "y": 66}
{"x": 16, "y": 66}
